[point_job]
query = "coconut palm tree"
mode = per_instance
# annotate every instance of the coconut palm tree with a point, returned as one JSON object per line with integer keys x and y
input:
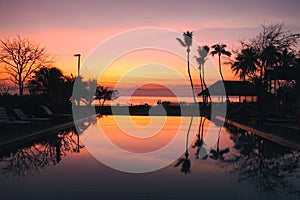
{"x": 201, "y": 59}
{"x": 245, "y": 63}
{"x": 188, "y": 40}
{"x": 220, "y": 50}
{"x": 49, "y": 81}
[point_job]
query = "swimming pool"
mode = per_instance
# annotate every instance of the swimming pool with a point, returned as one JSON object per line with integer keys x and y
{"x": 59, "y": 166}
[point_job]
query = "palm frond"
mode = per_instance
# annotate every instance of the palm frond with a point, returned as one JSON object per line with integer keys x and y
{"x": 222, "y": 46}
{"x": 213, "y": 151}
{"x": 214, "y": 52}
{"x": 206, "y": 48}
{"x": 214, "y": 46}
{"x": 227, "y": 53}
{"x": 188, "y": 33}
{"x": 224, "y": 151}
{"x": 181, "y": 42}
{"x": 179, "y": 161}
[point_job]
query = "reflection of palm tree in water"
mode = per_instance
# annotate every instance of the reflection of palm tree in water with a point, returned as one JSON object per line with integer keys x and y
{"x": 29, "y": 158}
{"x": 218, "y": 154}
{"x": 199, "y": 143}
{"x": 185, "y": 162}
{"x": 81, "y": 126}
{"x": 270, "y": 167}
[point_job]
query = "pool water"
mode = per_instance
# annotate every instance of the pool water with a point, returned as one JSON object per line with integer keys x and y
{"x": 60, "y": 166}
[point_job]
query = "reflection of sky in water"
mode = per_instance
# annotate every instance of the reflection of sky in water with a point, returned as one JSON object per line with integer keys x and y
{"x": 251, "y": 170}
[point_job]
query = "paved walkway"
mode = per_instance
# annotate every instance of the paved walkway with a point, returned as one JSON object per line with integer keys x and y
{"x": 280, "y": 133}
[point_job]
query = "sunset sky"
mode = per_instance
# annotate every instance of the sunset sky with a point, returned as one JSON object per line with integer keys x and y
{"x": 68, "y": 27}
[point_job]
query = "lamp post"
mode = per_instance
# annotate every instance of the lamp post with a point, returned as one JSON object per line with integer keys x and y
{"x": 78, "y": 55}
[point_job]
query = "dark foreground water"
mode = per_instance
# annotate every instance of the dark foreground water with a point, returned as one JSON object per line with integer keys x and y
{"x": 240, "y": 165}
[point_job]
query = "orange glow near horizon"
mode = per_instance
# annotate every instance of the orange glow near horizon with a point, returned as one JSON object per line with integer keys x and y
{"x": 155, "y": 133}
{"x": 125, "y": 67}
{"x": 139, "y": 144}
{"x": 75, "y": 41}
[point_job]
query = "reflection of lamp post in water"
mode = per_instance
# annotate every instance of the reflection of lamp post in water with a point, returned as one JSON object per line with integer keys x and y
{"x": 78, "y": 55}
{"x": 58, "y": 145}
{"x": 78, "y": 73}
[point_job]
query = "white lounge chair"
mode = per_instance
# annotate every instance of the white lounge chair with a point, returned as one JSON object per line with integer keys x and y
{"x": 21, "y": 115}
{"x": 6, "y": 120}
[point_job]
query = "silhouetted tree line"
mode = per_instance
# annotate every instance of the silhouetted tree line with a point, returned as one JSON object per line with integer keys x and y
{"x": 28, "y": 65}
{"x": 48, "y": 85}
{"x": 269, "y": 60}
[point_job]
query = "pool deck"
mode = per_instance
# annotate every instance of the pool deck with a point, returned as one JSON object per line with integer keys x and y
{"x": 285, "y": 134}
{"x": 12, "y": 135}
{"x": 26, "y": 133}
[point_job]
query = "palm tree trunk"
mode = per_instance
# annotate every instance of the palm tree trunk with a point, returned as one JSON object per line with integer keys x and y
{"x": 218, "y": 142}
{"x": 189, "y": 72}
{"x": 205, "y": 86}
{"x": 220, "y": 70}
{"x": 201, "y": 83}
{"x": 199, "y": 128}
{"x": 202, "y": 131}
{"x": 187, "y": 135}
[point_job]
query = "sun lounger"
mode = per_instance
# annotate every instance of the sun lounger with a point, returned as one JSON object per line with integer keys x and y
{"x": 6, "y": 120}
{"x": 21, "y": 115}
{"x": 49, "y": 113}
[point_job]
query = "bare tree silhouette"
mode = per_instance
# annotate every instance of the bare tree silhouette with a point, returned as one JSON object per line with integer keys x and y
{"x": 21, "y": 57}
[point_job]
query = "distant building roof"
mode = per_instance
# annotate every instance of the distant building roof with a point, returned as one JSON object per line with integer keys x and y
{"x": 232, "y": 88}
